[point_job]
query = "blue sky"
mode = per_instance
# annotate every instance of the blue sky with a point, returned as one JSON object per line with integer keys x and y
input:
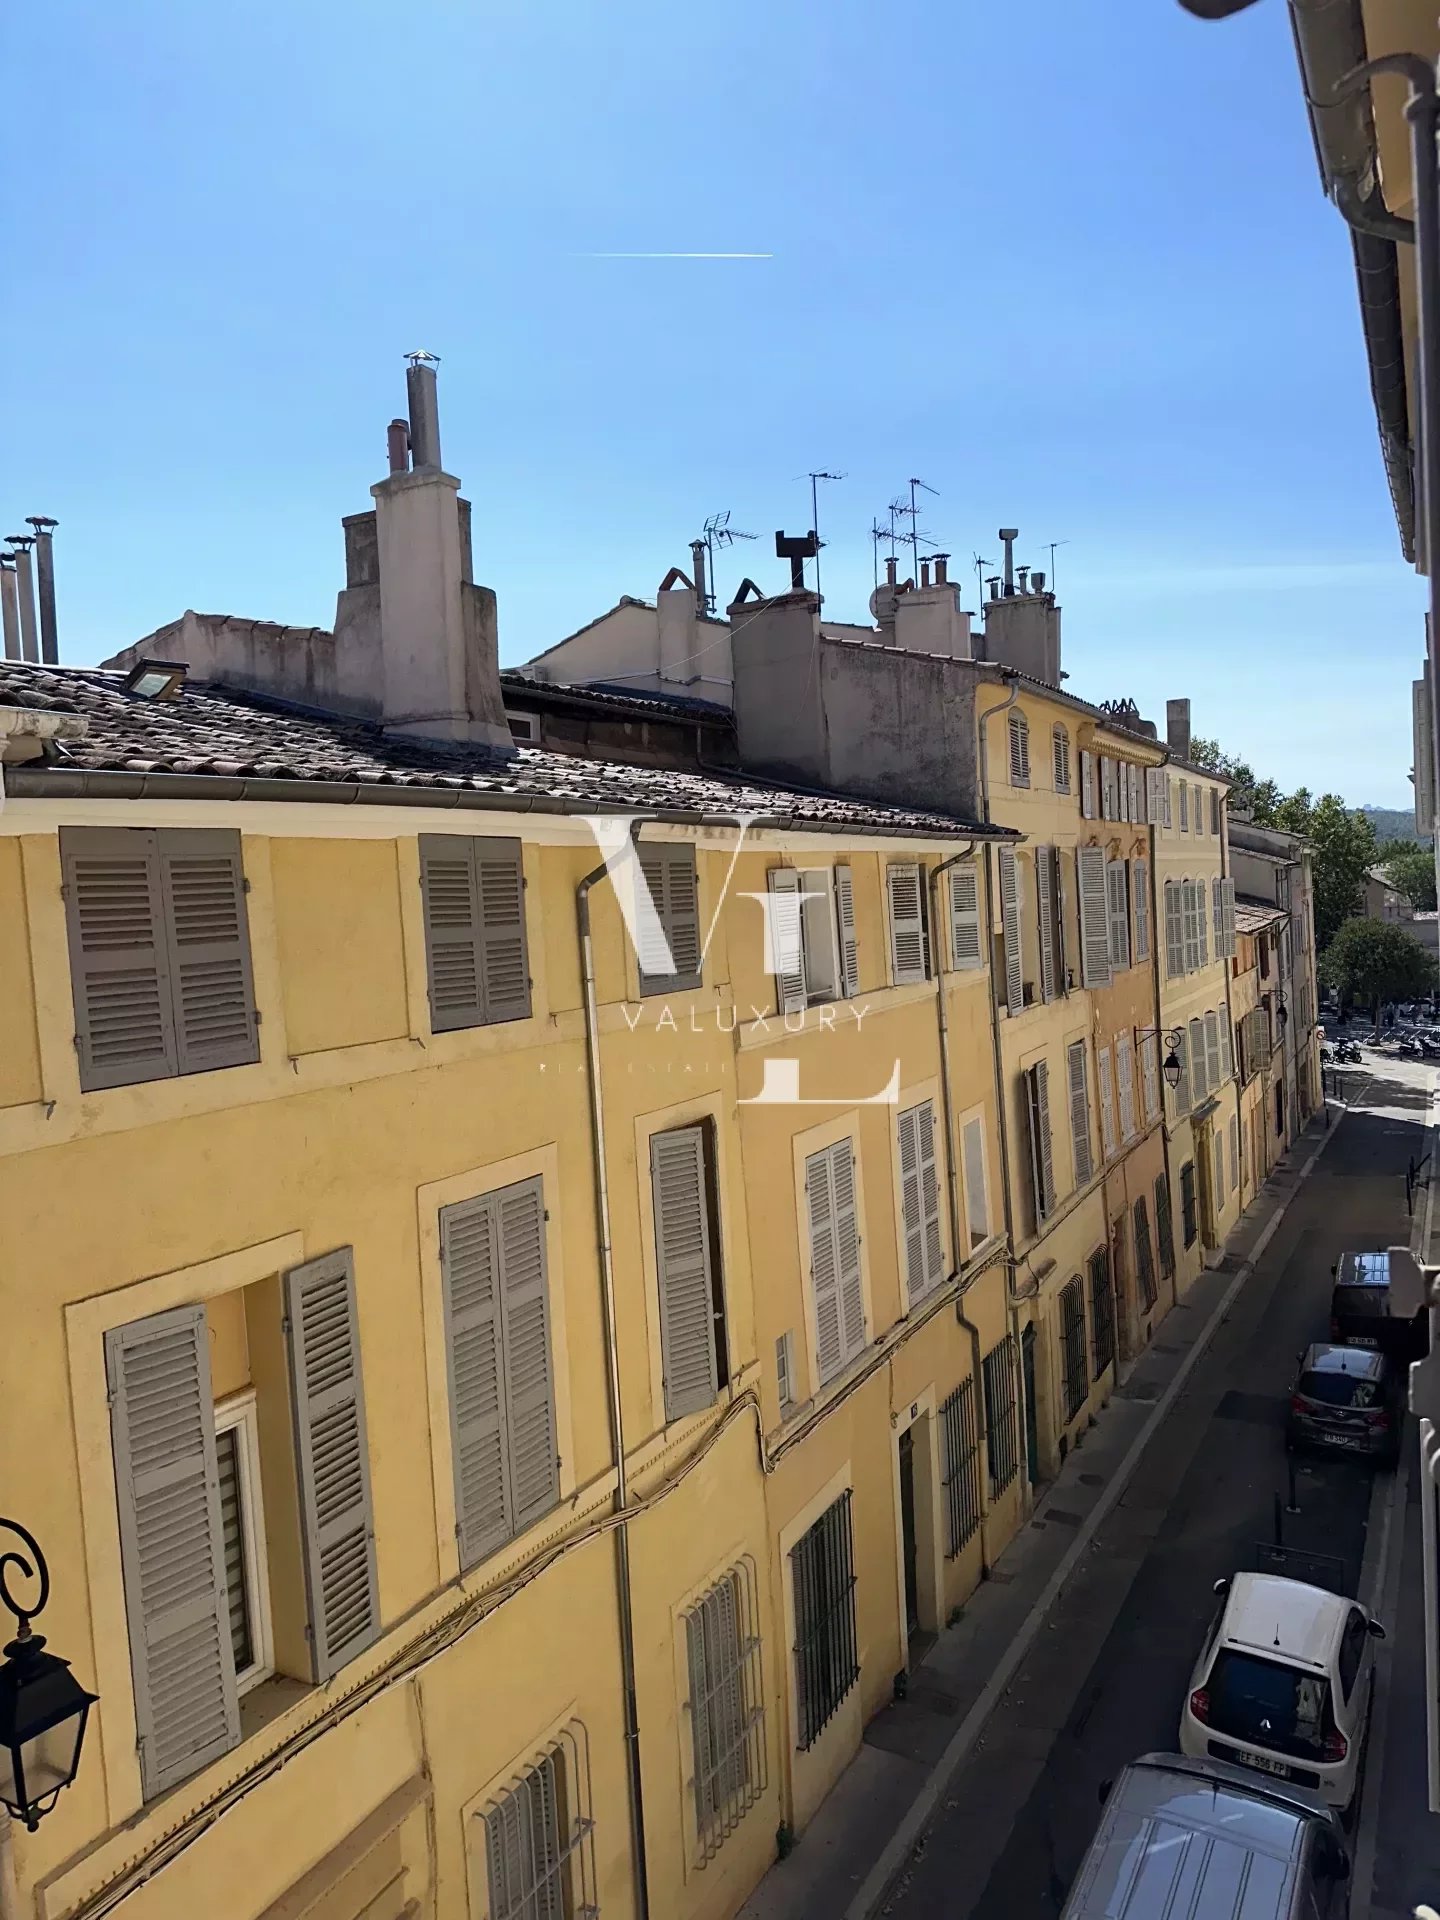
{"x": 1073, "y": 270}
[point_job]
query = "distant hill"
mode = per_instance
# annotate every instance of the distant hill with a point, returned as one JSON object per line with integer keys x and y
{"x": 1392, "y": 823}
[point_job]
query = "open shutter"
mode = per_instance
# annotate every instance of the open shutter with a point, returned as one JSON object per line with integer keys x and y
{"x": 469, "y": 1276}
{"x": 1229, "y": 902}
{"x": 849, "y": 946}
{"x": 1125, "y": 1084}
{"x": 1150, "y": 1074}
{"x": 504, "y": 967}
{"x": 1116, "y": 878}
{"x": 1202, "y": 924}
{"x": 1107, "y": 787}
{"x": 1227, "y": 1045}
{"x": 1212, "y": 1051}
{"x": 1107, "y": 1101}
{"x": 847, "y": 1245}
{"x": 332, "y": 1459}
{"x": 452, "y": 931}
{"x": 167, "y": 1487}
{"x": 1133, "y": 775}
{"x": 903, "y": 886}
{"x": 1042, "y": 1163}
{"x": 529, "y": 1377}
{"x": 1174, "y": 931}
{"x": 119, "y": 955}
{"x": 1087, "y": 784}
{"x": 682, "y": 1259}
{"x": 1079, "y": 1113}
{"x": 682, "y": 913}
{"x": 1184, "y": 806}
{"x": 214, "y": 996}
{"x": 1197, "y": 1060}
{"x": 1155, "y": 795}
{"x": 1045, "y": 918}
{"x": 789, "y": 954}
{"x": 1010, "y": 924}
{"x": 1183, "y": 1101}
{"x": 1140, "y": 898}
{"x": 1094, "y": 920}
{"x": 965, "y": 950}
{"x": 1019, "y": 752}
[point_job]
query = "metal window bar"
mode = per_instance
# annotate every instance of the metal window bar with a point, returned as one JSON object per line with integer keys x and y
{"x": 1001, "y": 1435}
{"x": 540, "y": 1838}
{"x": 961, "y": 1480}
{"x": 1188, "y": 1216}
{"x": 1145, "y": 1256}
{"x": 1164, "y": 1226}
{"x": 1102, "y": 1312}
{"x": 1072, "y": 1340}
{"x": 727, "y": 1715}
{"x": 822, "y": 1567}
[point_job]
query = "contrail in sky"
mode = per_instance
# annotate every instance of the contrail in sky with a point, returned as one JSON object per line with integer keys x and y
{"x": 674, "y": 256}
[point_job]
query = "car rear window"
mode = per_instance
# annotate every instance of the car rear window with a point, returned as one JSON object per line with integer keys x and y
{"x": 1269, "y": 1704}
{"x": 1339, "y": 1389}
{"x": 1361, "y": 1303}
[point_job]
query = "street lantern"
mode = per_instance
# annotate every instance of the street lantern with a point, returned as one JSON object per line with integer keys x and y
{"x": 43, "y": 1707}
{"x": 1171, "y": 1067}
{"x": 1283, "y": 1011}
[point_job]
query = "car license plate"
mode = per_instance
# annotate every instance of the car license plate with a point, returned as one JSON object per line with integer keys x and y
{"x": 1362, "y": 1340}
{"x": 1264, "y": 1764}
{"x": 1344, "y": 1440}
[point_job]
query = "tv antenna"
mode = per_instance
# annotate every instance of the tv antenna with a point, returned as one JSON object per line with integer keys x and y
{"x": 915, "y": 534}
{"x": 815, "y": 479}
{"x": 1053, "y": 544}
{"x": 877, "y": 534}
{"x": 979, "y": 562}
{"x": 718, "y": 532}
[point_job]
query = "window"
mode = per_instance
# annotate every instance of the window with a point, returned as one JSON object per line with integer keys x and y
{"x": 1094, "y": 917}
{"x": 687, "y": 1264}
{"x": 1049, "y": 921}
{"x": 473, "y": 897}
{"x": 1002, "y": 1452}
{"x": 920, "y": 1201}
{"x": 1184, "y": 806}
{"x": 727, "y": 1717}
{"x": 502, "y": 1398}
{"x": 822, "y": 1572}
{"x": 1164, "y": 1230}
{"x": 837, "y": 1291}
{"x": 965, "y": 949}
{"x": 1188, "y": 1222}
{"x": 540, "y": 1838}
{"x": 667, "y": 907}
{"x": 813, "y": 931}
{"x": 159, "y": 952}
{"x": 1019, "y": 751}
{"x": 524, "y": 728}
{"x": 909, "y": 935}
{"x": 1197, "y": 1062}
{"x": 1140, "y": 896}
{"x": 1102, "y": 1310}
{"x": 1218, "y": 1163}
{"x": 1125, "y": 1083}
{"x": 977, "y": 1200}
{"x": 1212, "y": 1051}
{"x": 1150, "y": 1074}
{"x": 1107, "y": 1102}
{"x": 242, "y": 1534}
{"x": 1087, "y": 784}
{"x": 1174, "y": 929}
{"x": 1072, "y": 1344}
{"x": 1117, "y": 882}
{"x": 960, "y": 1480}
{"x": 1010, "y": 920}
{"x": 1061, "y": 742}
{"x": 1280, "y": 1107}
{"x": 1042, "y": 1166}
{"x": 1215, "y": 810}
{"x": 1144, "y": 1255}
{"x": 1075, "y": 1067}
{"x": 1234, "y": 1153}
{"x": 785, "y": 1370}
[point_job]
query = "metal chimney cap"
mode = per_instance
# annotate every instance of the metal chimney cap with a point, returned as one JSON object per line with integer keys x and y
{"x": 41, "y": 522}
{"x": 418, "y": 357}
{"x": 1008, "y": 533}
{"x": 24, "y": 541}
{"x": 7, "y": 560}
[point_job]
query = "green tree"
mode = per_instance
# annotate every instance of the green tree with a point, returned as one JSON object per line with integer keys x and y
{"x": 1410, "y": 867}
{"x": 1371, "y": 963}
{"x": 1343, "y": 840}
{"x": 1258, "y": 798}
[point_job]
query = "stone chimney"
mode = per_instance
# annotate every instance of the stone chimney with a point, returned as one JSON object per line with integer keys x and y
{"x": 776, "y": 654}
{"x": 677, "y": 610}
{"x": 930, "y": 619}
{"x": 1022, "y": 629}
{"x": 1177, "y": 728}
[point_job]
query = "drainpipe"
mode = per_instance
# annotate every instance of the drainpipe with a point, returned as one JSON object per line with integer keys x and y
{"x": 952, "y": 1182}
{"x": 1012, "y": 1311}
{"x": 612, "y": 1382}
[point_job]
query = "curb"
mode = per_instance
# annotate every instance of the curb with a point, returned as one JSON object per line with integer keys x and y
{"x": 887, "y": 1869}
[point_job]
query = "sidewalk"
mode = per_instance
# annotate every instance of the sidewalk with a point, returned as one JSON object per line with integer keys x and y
{"x": 855, "y": 1848}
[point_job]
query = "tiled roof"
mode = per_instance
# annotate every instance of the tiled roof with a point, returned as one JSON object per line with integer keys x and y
{"x": 614, "y": 699}
{"x": 1254, "y": 916}
{"x": 222, "y": 733}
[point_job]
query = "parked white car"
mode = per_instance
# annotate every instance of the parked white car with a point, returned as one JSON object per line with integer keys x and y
{"x": 1283, "y": 1684}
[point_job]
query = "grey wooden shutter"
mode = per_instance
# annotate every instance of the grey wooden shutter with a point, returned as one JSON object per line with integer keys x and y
{"x": 1116, "y": 878}
{"x": 1183, "y": 1101}
{"x": 450, "y": 899}
{"x": 332, "y": 1459}
{"x": 786, "y": 930}
{"x": 682, "y": 1259}
{"x": 1140, "y": 894}
{"x": 1202, "y": 924}
{"x": 1061, "y": 743}
{"x": 1094, "y": 918}
{"x": 920, "y": 1200}
{"x": 1184, "y": 806}
{"x": 1042, "y": 1163}
{"x": 965, "y": 948}
{"x": 1212, "y": 1051}
{"x": 1079, "y": 1112}
{"x": 1137, "y": 813}
{"x": 1197, "y": 1059}
{"x": 119, "y": 955}
{"x": 1087, "y": 784}
{"x": 1107, "y": 1102}
{"x": 849, "y": 945}
{"x": 669, "y": 939}
{"x": 529, "y": 1376}
{"x": 167, "y": 1488}
{"x": 1155, "y": 795}
{"x": 1174, "y": 930}
{"x": 214, "y": 996}
{"x": 847, "y": 1243}
{"x": 834, "y": 1257}
{"x": 1045, "y": 886}
{"x": 1230, "y": 919}
{"x": 907, "y": 923}
{"x": 1227, "y": 1044}
{"x": 504, "y": 965}
{"x": 1125, "y": 1083}
{"x": 1010, "y": 922}
{"x": 1107, "y": 787}
{"x": 470, "y": 1289}
{"x": 1019, "y": 752}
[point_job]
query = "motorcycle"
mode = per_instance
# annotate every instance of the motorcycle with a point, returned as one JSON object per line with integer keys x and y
{"x": 1349, "y": 1053}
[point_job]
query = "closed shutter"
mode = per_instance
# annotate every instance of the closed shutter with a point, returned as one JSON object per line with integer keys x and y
{"x": 1190, "y": 909}
{"x": 1140, "y": 894}
{"x": 1229, "y": 902}
{"x": 1087, "y": 785}
{"x": 1094, "y": 920}
{"x": 789, "y": 959}
{"x": 1164, "y": 1226}
{"x": 965, "y": 949}
{"x": 1227, "y": 1048}
{"x": 529, "y": 1378}
{"x": 834, "y": 1257}
{"x": 1217, "y": 916}
{"x": 1202, "y": 924}
{"x": 504, "y": 966}
{"x": 1184, "y": 806}
{"x": 1010, "y": 922}
{"x": 849, "y": 946}
{"x": 1019, "y": 752}
{"x": 1061, "y": 741}
{"x": 167, "y": 1487}
{"x": 119, "y": 955}
{"x": 1137, "y": 811}
{"x": 920, "y": 1200}
{"x": 332, "y": 1459}
{"x": 1079, "y": 1112}
{"x": 1153, "y": 804}
{"x": 907, "y": 923}
{"x": 1174, "y": 930}
{"x": 1117, "y": 878}
{"x": 473, "y": 895}
{"x": 669, "y": 918}
{"x": 1045, "y": 918}
{"x": 977, "y": 1209}
{"x": 683, "y": 1262}
{"x": 1125, "y": 1084}
{"x": 1150, "y": 1074}
{"x": 1107, "y": 787}
{"x": 1107, "y": 1102}
{"x": 470, "y": 1288}
{"x": 214, "y": 997}
{"x": 1198, "y": 1060}
{"x": 1212, "y": 1051}
{"x": 1042, "y": 1163}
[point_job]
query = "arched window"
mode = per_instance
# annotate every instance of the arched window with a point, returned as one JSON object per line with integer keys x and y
{"x": 1062, "y": 760}
{"x": 1019, "y": 751}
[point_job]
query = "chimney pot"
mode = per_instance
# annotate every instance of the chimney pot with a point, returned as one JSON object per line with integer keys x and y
{"x": 45, "y": 585}
{"x": 1008, "y": 536}
{"x": 942, "y": 569}
{"x": 424, "y": 409}
{"x": 924, "y": 573}
{"x": 1177, "y": 728}
{"x": 890, "y": 568}
{"x": 702, "y": 590}
{"x": 397, "y": 445}
{"x": 1037, "y": 583}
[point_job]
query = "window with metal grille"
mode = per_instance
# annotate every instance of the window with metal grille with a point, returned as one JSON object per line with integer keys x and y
{"x": 1164, "y": 1227}
{"x": 1019, "y": 752}
{"x": 1102, "y": 1311}
{"x": 1144, "y": 1255}
{"x": 1072, "y": 1344}
{"x": 822, "y": 1570}
{"x": 727, "y": 1717}
{"x": 540, "y": 1838}
{"x": 960, "y": 1438}
{"x": 1002, "y": 1452}
{"x": 1188, "y": 1217}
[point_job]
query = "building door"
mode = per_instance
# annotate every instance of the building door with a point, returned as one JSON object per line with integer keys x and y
{"x": 1032, "y": 1430}
{"x": 909, "y": 1539}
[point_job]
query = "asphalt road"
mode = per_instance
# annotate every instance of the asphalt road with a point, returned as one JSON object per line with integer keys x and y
{"x": 1107, "y": 1678}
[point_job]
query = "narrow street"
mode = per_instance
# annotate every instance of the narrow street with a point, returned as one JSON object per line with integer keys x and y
{"x": 1106, "y": 1678}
